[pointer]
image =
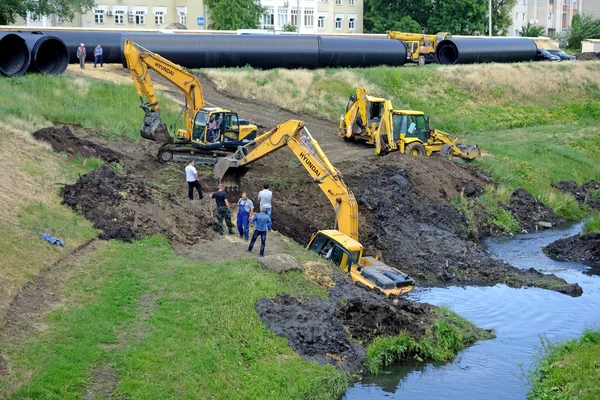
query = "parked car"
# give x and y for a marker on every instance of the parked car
(545, 55)
(561, 54)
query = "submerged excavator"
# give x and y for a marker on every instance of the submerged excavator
(374, 120)
(340, 245)
(209, 132)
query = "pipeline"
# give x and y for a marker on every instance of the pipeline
(484, 50)
(14, 54)
(49, 54)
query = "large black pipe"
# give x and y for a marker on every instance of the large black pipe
(49, 54)
(14, 54)
(110, 42)
(484, 50)
(360, 52)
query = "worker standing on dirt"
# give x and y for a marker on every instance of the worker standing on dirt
(98, 56)
(264, 197)
(245, 211)
(222, 210)
(262, 224)
(81, 55)
(191, 176)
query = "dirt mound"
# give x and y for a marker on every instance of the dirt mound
(587, 56)
(63, 139)
(581, 248)
(530, 212)
(583, 193)
(124, 208)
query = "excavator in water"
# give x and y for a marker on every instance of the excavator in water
(346, 251)
(420, 48)
(209, 132)
(374, 120)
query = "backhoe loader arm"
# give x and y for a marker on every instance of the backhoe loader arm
(139, 60)
(294, 135)
(358, 109)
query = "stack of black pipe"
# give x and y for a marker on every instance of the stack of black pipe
(484, 50)
(21, 52)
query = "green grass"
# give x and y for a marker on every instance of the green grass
(592, 225)
(449, 334)
(568, 370)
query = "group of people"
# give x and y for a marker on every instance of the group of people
(81, 52)
(245, 210)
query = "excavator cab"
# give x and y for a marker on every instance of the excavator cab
(411, 125)
(217, 128)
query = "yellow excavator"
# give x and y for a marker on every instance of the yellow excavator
(420, 48)
(209, 132)
(373, 120)
(340, 245)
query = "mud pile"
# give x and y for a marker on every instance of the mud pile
(531, 213)
(587, 56)
(581, 248)
(583, 194)
(125, 208)
(63, 139)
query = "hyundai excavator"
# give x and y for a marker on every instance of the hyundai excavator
(340, 245)
(209, 132)
(373, 120)
(420, 48)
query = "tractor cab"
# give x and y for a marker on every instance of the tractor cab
(218, 128)
(411, 124)
(375, 107)
(412, 50)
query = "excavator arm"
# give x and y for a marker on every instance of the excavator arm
(139, 61)
(296, 137)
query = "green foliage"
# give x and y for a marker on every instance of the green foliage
(567, 370)
(10, 9)
(583, 26)
(593, 225)
(39, 218)
(532, 30)
(400, 15)
(289, 28)
(499, 216)
(234, 14)
(449, 334)
(459, 17)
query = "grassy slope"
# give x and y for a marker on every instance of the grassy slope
(568, 370)
(538, 119)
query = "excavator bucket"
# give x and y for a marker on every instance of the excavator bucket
(153, 128)
(228, 172)
(469, 151)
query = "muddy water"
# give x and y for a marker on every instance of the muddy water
(491, 369)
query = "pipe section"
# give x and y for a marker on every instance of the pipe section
(110, 42)
(14, 54)
(360, 52)
(484, 50)
(49, 54)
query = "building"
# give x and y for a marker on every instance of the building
(554, 15)
(313, 16)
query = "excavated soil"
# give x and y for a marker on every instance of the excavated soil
(587, 56)
(531, 213)
(580, 248)
(583, 194)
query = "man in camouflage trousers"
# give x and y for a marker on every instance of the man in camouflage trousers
(222, 210)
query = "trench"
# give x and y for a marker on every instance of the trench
(495, 368)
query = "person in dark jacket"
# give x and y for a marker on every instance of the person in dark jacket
(98, 56)
(222, 210)
(262, 224)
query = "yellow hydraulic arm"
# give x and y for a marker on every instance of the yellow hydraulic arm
(358, 108)
(139, 60)
(294, 135)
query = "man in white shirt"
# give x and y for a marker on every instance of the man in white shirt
(191, 176)
(264, 197)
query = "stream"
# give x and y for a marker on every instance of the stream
(494, 369)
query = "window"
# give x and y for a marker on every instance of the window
(351, 2)
(338, 2)
(516, 16)
(282, 16)
(309, 17)
(338, 23)
(59, 20)
(182, 19)
(119, 17)
(551, 31)
(159, 17)
(523, 17)
(140, 17)
(269, 16)
(321, 22)
(98, 16)
(517, 33)
(351, 23)
(294, 18)
(550, 16)
(564, 2)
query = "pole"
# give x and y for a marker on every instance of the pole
(298, 16)
(490, 10)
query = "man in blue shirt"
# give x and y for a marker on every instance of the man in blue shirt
(262, 224)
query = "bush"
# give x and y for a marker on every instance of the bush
(593, 225)
(583, 26)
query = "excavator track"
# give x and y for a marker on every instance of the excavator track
(185, 153)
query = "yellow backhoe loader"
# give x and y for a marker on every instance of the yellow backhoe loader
(374, 120)
(209, 132)
(420, 48)
(346, 251)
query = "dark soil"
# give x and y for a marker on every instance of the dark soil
(583, 193)
(63, 139)
(587, 56)
(125, 208)
(103, 384)
(529, 211)
(580, 248)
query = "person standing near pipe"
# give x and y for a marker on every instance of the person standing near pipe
(81, 55)
(98, 56)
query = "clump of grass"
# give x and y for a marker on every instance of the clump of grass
(593, 225)
(491, 199)
(449, 334)
(567, 370)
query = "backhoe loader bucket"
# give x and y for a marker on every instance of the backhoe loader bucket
(153, 128)
(468, 151)
(227, 172)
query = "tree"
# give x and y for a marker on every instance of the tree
(459, 17)
(583, 26)
(289, 28)
(501, 16)
(399, 15)
(11, 9)
(532, 30)
(234, 14)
